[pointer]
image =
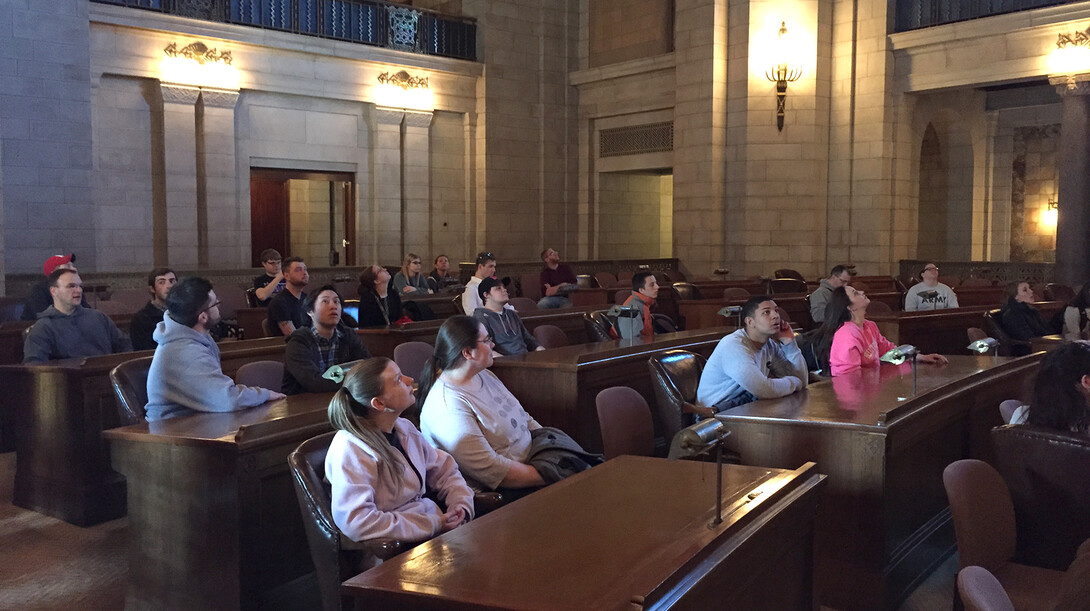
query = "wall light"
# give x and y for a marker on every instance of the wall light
(783, 71)
(1070, 58)
(198, 65)
(402, 90)
(1050, 214)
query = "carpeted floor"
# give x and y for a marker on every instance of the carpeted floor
(47, 564)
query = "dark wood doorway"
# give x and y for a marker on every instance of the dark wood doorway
(270, 214)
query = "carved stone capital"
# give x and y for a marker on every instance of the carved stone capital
(219, 98)
(415, 118)
(179, 94)
(1078, 84)
(388, 116)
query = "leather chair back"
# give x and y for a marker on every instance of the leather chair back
(625, 421)
(735, 293)
(1046, 472)
(251, 298)
(262, 374)
(266, 328)
(787, 286)
(686, 290)
(621, 296)
(982, 512)
(879, 307)
(598, 326)
(995, 329)
(530, 287)
(981, 591)
(606, 280)
(411, 357)
(130, 382)
(550, 336)
(523, 305)
(788, 273)
(1058, 292)
(975, 333)
(675, 375)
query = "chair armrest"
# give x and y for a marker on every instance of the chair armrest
(703, 412)
(486, 502)
(382, 548)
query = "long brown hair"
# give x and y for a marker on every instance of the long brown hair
(456, 334)
(350, 410)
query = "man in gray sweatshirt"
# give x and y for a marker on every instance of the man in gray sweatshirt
(502, 321)
(186, 375)
(66, 329)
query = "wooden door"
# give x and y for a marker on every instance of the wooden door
(269, 221)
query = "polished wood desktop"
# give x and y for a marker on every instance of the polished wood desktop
(630, 534)
(884, 524)
(59, 410)
(942, 331)
(558, 386)
(213, 518)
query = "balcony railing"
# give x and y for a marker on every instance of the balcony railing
(369, 22)
(915, 14)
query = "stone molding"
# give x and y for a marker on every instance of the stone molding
(388, 116)
(179, 94)
(219, 98)
(415, 118)
(1078, 84)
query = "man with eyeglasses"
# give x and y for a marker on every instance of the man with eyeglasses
(186, 375)
(838, 277)
(930, 294)
(68, 330)
(272, 281)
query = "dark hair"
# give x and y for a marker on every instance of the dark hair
(55, 275)
(638, 280)
(159, 271)
(270, 254)
(367, 280)
(749, 308)
(836, 314)
(187, 298)
(437, 257)
(308, 303)
(837, 270)
(542, 255)
(484, 257)
(286, 263)
(456, 334)
(1082, 299)
(1012, 290)
(1057, 402)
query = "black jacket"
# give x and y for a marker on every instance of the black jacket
(1022, 321)
(371, 314)
(143, 325)
(302, 370)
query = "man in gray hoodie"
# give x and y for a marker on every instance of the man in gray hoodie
(838, 277)
(186, 375)
(66, 329)
(502, 321)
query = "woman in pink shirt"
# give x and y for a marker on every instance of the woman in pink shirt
(856, 341)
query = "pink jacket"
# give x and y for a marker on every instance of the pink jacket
(854, 347)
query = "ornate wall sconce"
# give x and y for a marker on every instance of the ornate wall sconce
(782, 72)
(198, 65)
(1069, 59)
(403, 90)
(1050, 215)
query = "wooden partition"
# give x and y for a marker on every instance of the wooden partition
(60, 409)
(942, 331)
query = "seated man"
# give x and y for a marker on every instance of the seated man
(66, 329)
(312, 350)
(759, 361)
(930, 294)
(441, 273)
(286, 313)
(143, 324)
(838, 277)
(503, 324)
(556, 279)
(186, 375)
(272, 281)
(645, 289)
(39, 298)
(486, 268)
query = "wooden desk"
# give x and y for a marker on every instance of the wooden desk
(884, 524)
(590, 297)
(558, 387)
(60, 409)
(703, 313)
(942, 331)
(986, 297)
(213, 518)
(620, 543)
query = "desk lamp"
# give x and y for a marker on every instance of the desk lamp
(899, 355)
(728, 311)
(982, 346)
(696, 440)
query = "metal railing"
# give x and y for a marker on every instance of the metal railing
(916, 14)
(370, 22)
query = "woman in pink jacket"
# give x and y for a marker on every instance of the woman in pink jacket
(852, 340)
(379, 466)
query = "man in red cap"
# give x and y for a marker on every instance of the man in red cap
(39, 298)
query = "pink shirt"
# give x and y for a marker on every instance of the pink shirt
(855, 347)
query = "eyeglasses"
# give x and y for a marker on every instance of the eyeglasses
(277, 261)
(415, 262)
(930, 269)
(488, 341)
(212, 306)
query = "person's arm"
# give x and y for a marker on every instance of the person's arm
(1071, 330)
(741, 367)
(355, 348)
(265, 292)
(952, 301)
(38, 345)
(521, 476)
(118, 341)
(300, 361)
(531, 341)
(457, 431)
(287, 327)
(140, 331)
(204, 387)
(788, 360)
(353, 475)
(845, 353)
(470, 300)
(443, 477)
(401, 284)
(912, 300)
(818, 299)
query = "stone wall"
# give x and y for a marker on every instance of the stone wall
(623, 30)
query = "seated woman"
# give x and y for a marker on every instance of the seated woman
(1061, 393)
(379, 306)
(312, 350)
(380, 467)
(848, 341)
(468, 412)
(410, 280)
(1019, 319)
(1077, 316)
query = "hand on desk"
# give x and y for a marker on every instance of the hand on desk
(453, 519)
(276, 396)
(934, 359)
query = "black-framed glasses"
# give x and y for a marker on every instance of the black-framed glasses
(417, 262)
(488, 341)
(218, 301)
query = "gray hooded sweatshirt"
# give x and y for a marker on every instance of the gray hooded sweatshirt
(507, 330)
(186, 376)
(85, 332)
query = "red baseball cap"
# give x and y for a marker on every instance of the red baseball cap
(56, 261)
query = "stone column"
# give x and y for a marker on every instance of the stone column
(220, 233)
(180, 154)
(1073, 223)
(386, 217)
(416, 191)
